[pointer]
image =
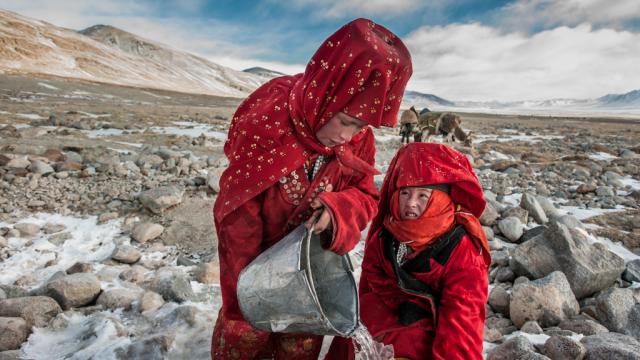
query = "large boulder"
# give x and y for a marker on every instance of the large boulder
(14, 332)
(35, 310)
(518, 347)
(617, 310)
(530, 203)
(611, 346)
(548, 301)
(172, 284)
(159, 199)
(74, 290)
(564, 348)
(588, 267)
(511, 227)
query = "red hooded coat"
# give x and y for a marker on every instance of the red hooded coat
(360, 70)
(452, 312)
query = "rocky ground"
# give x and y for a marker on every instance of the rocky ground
(107, 247)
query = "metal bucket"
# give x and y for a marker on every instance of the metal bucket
(296, 286)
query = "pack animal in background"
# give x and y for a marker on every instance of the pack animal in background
(409, 124)
(448, 125)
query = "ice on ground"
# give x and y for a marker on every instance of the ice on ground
(138, 145)
(48, 86)
(582, 214)
(615, 248)
(92, 115)
(30, 116)
(512, 199)
(534, 138)
(191, 129)
(630, 181)
(602, 156)
(88, 241)
(73, 342)
(103, 132)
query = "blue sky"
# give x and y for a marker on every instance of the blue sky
(461, 49)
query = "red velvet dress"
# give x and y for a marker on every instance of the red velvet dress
(265, 219)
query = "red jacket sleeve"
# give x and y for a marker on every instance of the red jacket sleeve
(461, 314)
(240, 237)
(354, 206)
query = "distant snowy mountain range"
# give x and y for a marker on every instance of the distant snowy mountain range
(615, 103)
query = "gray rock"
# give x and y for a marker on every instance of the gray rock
(588, 267)
(74, 290)
(564, 348)
(515, 348)
(159, 199)
(73, 156)
(530, 203)
(35, 310)
(208, 273)
(532, 327)
(40, 167)
(500, 258)
(616, 309)
(548, 301)
(570, 221)
(172, 284)
(632, 271)
(27, 229)
(3, 295)
(610, 346)
(499, 300)
(613, 179)
(3, 242)
(489, 215)
(505, 274)
(549, 209)
(516, 211)
(135, 274)
(146, 232)
(14, 332)
(80, 267)
(582, 324)
(492, 335)
(18, 163)
(118, 298)
(150, 301)
(511, 227)
(488, 232)
(213, 182)
(533, 232)
(50, 228)
(604, 191)
(13, 291)
(126, 254)
(11, 355)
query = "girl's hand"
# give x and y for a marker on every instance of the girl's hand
(321, 218)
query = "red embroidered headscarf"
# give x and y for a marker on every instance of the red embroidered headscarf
(421, 164)
(361, 70)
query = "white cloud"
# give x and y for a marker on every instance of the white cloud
(476, 62)
(527, 14)
(335, 9)
(243, 63)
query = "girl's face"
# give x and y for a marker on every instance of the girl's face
(339, 130)
(412, 202)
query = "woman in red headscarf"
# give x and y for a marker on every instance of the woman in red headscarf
(424, 282)
(300, 150)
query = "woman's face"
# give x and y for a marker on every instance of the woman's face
(339, 130)
(412, 202)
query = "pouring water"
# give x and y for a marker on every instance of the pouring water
(366, 348)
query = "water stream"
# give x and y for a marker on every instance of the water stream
(366, 348)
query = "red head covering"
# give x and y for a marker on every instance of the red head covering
(361, 70)
(420, 164)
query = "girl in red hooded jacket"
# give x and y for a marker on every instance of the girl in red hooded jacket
(300, 150)
(424, 282)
